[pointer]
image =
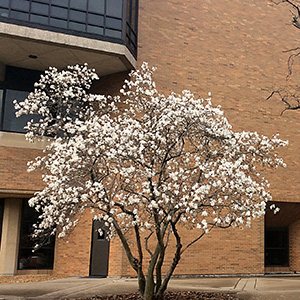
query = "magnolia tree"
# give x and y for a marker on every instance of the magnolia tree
(162, 163)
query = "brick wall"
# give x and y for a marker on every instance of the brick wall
(230, 251)
(294, 233)
(232, 49)
(72, 253)
(13, 166)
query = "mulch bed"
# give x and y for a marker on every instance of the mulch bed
(190, 295)
(28, 278)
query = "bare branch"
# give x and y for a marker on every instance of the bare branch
(284, 100)
(146, 243)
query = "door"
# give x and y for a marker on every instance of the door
(99, 250)
(276, 247)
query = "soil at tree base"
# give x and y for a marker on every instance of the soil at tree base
(190, 295)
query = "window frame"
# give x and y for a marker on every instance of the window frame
(9, 84)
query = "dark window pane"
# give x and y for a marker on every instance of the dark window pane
(128, 11)
(95, 20)
(95, 30)
(113, 33)
(96, 6)
(21, 79)
(19, 15)
(43, 257)
(276, 246)
(18, 83)
(134, 15)
(10, 121)
(77, 26)
(64, 3)
(58, 23)
(59, 12)
(113, 23)
(77, 16)
(20, 5)
(4, 3)
(4, 13)
(39, 19)
(40, 9)
(114, 8)
(101, 236)
(78, 4)
(1, 106)
(131, 35)
(41, 1)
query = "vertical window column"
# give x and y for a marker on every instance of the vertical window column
(10, 236)
(1, 217)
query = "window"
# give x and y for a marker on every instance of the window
(277, 247)
(18, 83)
(41, 258)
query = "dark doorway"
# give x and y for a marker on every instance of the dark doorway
(276, 247)
(99, 250)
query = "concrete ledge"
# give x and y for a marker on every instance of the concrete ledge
(60, 49)
(11, 139)
(66, 39)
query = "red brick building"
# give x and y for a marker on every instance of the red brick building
(230, 48)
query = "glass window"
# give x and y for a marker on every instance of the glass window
(22, 5)
(43, 257)
(276, 246)
(3, 12)
(1, 106)
(43, 1)
(18, 83)
(58, 23)
(77, 26)
(4, 3)
(95, 20)
(95, 30)
(39, 19)
(10, 122)
(96, 6)
(77, 16)
(64, 3)
(114, 8)
(113, 23)
(113, 33)
(19, 15)
(134, 14)
(78, 4)
(59, 12)
(41, 9)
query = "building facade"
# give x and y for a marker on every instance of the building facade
(230, 48)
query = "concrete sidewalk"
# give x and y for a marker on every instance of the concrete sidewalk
(252, 288)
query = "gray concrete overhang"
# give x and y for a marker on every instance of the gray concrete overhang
(37, 49)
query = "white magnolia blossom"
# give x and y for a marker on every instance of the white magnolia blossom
(163, 161)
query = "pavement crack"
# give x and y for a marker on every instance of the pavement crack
(237, 283)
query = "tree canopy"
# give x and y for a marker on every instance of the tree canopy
(145, 170)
